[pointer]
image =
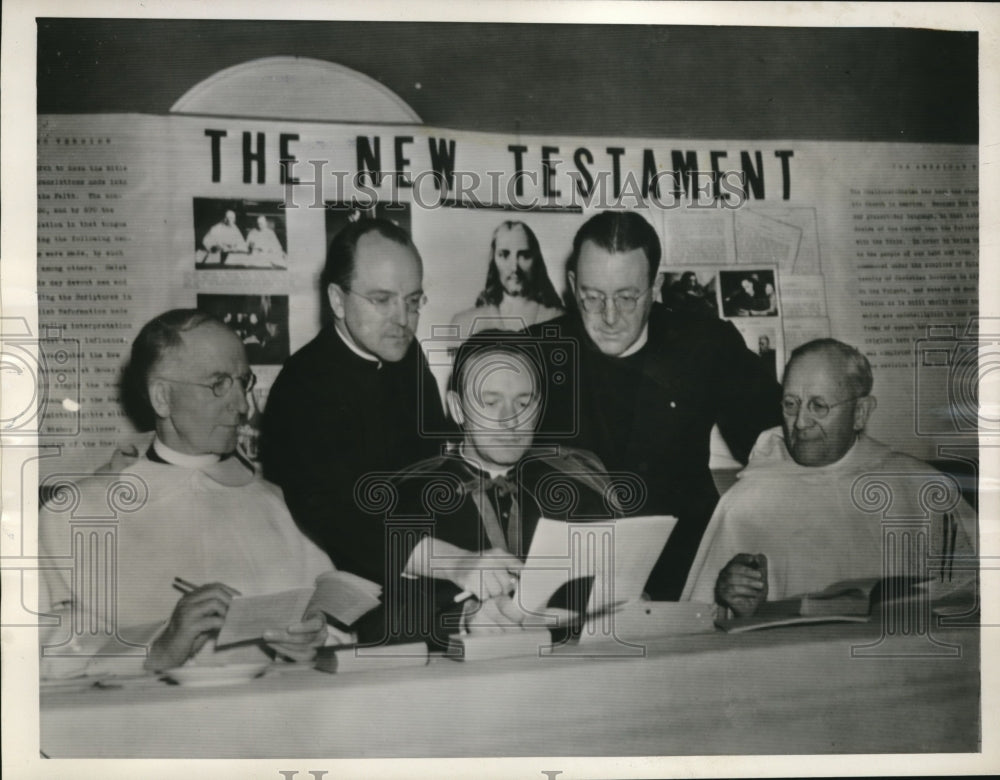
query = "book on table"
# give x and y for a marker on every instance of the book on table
(846, 601)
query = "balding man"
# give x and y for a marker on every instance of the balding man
(359, 398)
(795, 503)
(207, 519)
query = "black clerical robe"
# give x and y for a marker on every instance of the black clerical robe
(650, 415)
(333, 417)
(452, 500)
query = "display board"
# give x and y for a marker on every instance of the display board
(875, 244)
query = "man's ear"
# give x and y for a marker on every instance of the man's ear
(571, 278)
(454, 407)
(657, 283)
(336, 295)
(159, 397)
(862, 410)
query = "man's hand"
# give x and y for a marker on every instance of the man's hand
(496, 616)
(299, 641)
(197, 616)
(487, 576)
(742, 584)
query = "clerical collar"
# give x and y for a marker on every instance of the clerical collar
(352, 345)
(493, 472)
(639, 342)
(172, 456)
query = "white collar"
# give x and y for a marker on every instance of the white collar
(183, 459)
(493, 472)
(639, 343)
(353, 345)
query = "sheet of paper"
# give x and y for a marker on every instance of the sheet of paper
(621, 575)
(250, 616)
(762, 240)
(618, 554)
(345, 596)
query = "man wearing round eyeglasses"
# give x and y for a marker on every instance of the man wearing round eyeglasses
(202, 513)
(358, 398)
(652, 383)
(793, 523)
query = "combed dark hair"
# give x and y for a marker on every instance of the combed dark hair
(161, 333)
(618, 231)
(494, 341)
(859, 371)
(339, 267)
(539, 287)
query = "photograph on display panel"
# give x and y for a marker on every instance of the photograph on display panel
(260, 322)
(239, 234)
(691, 291)
(751, 293)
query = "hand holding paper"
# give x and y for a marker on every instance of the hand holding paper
(299, 641)
(487, 575)
(343, 596)
(198, 614)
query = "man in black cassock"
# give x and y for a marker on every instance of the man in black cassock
(357, 399)
(462, 522)
(648, 384)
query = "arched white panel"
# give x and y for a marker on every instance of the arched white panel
(295, 88)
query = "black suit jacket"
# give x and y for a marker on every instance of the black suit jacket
(650, 415)
(331, 419)
(434, 498)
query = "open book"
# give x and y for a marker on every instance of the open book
(847, 601)
(343, 596)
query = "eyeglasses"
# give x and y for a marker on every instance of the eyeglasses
(220, 387)
(597, 303)
(817, 408)
(384, 303)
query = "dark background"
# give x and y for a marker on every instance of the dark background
(850, 84)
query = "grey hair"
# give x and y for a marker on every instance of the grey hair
(858, 373)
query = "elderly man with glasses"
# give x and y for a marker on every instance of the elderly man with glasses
(650, 384)
(202, 517)
(798, 519)
(359, 398)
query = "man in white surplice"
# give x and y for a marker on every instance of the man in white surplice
(203, 514)
(796, 502)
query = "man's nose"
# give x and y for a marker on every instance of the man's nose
(804, 418)
(508, 418)
(238, 398)
(610, 313)
(398, 314)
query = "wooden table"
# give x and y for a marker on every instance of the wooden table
(781, 691)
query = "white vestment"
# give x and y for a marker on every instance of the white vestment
(819, 525)
(221, 523)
